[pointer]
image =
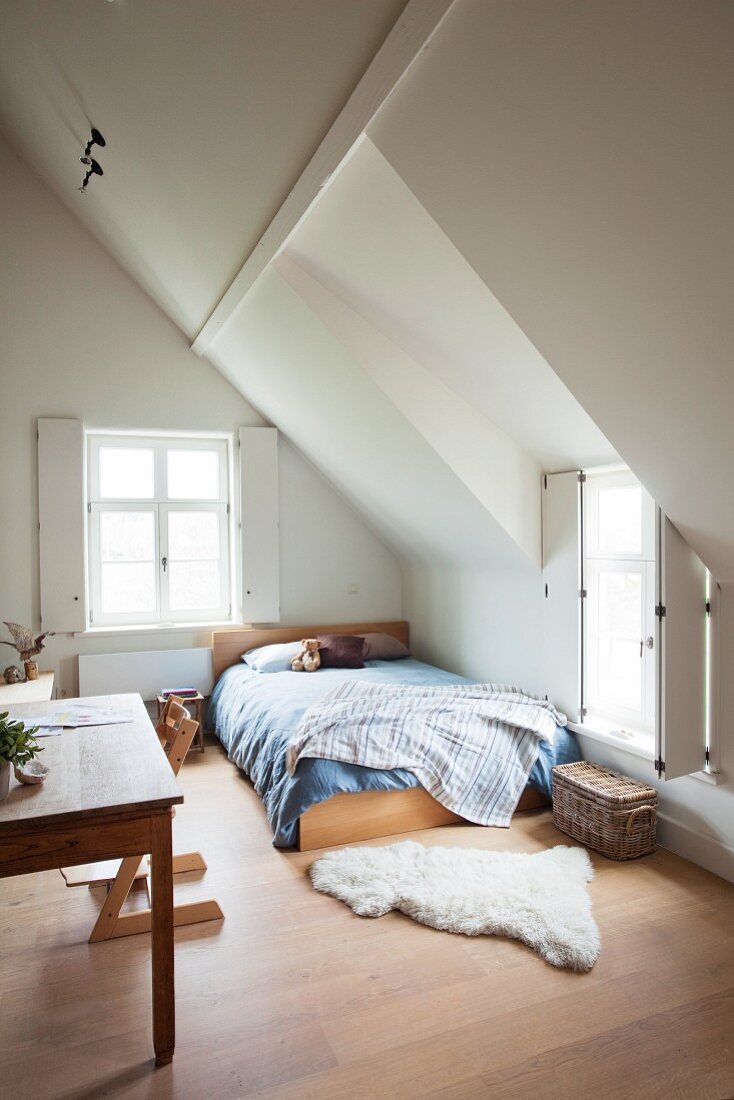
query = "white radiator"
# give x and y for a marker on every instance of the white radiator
(145, 673)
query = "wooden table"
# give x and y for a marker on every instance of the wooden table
(109, 794)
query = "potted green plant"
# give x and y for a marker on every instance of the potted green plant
(18, 745)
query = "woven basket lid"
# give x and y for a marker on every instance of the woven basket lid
(598, 780)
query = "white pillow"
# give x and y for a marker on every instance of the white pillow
(272, 658)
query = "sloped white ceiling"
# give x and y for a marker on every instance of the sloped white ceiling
(372, 244)
(303, 378)
(580, 157)
(577, 157)
(210, 109)
(210, 113)
(503, 477)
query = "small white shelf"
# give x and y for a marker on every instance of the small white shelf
(29, 691)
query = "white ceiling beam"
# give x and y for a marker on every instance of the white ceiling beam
(417, 24)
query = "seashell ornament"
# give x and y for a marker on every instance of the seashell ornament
(31, 773)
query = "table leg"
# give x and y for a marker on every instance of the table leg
(161, 874)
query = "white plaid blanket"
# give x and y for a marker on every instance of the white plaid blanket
(472, 746)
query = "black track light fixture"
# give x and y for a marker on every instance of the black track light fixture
(94, 170)
(95, 138)
(93, 166)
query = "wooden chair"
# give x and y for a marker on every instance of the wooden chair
(176, 731)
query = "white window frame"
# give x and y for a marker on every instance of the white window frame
(162, 505)
(642, 721)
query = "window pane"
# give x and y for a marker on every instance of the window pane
(620, 603)
(193, 536)
(128, 587)
(620, 520)
(193, 475)
(619, 622)
(126, 473)
(193, 585)
(127, 536)
(620, 673)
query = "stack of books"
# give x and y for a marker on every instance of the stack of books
(182, 693)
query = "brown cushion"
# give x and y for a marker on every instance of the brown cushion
(383, 647)
(341, 651)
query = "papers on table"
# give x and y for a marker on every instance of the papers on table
(78, 715)
(74, 716)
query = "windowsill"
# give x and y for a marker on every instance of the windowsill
(714, 779)
(607, 733)
(637, 744)
(151, 628)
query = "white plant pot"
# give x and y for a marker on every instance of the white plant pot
(4, 780)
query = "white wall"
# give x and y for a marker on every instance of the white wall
(80, 339)
(324, 547)
(481, 623)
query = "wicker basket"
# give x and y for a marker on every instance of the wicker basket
(611, 813)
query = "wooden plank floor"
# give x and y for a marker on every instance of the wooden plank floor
(295, 998)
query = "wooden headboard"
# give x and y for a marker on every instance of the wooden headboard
(229, 645)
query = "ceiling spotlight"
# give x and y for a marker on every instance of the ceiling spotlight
(93, 170)
(95, 138)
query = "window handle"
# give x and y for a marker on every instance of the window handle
(164, 563)
(649, 642)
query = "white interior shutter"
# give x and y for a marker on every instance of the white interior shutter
(61, 519)
(562, 575)
(714, 677)
(681, 710)
(259, 520)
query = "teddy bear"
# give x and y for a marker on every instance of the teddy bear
(308, 659)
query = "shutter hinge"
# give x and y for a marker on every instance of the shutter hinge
(583, 712)
(707, 756)
(91, 616)
(708, 607)
(546, 591)
(89, 506)
(545, 481)
(660, 611)
(582, 477)
(582, 593)
(659, 766)
(228, 509)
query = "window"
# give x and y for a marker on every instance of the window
(619, 609)
(629, 622)
(159, 532)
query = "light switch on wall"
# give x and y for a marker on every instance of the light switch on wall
(352, 589)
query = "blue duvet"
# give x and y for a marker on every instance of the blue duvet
(254, 713)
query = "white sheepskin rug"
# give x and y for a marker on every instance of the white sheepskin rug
(540, 899)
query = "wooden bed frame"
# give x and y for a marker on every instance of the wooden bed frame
(368, 814)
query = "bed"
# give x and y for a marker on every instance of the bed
(328, 802)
